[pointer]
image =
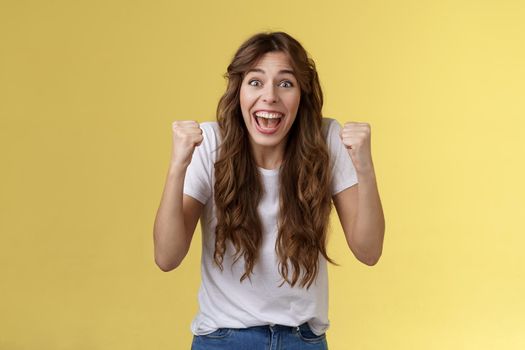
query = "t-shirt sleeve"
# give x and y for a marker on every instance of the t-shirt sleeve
(197, 182)
(343, 171)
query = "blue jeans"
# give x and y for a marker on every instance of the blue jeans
(276, 337)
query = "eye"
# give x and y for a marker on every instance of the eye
(253, 81)
(287, 83)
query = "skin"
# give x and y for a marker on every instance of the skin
(358, 207)
(270, 89)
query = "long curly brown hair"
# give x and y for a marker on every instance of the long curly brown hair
(305, 176)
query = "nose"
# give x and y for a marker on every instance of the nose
(269, 95)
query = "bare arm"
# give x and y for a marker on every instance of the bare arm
(359, 207)
(175, 221)
(361, 215)
(178, 214)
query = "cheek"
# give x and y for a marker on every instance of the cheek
(241, 96)
(292, 102)
(245, 106)
(244, 99)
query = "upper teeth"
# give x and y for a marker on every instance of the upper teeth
(268, 115)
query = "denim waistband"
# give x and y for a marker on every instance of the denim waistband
(279, 327)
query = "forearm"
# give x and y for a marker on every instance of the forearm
(369, 226)
(169, 230)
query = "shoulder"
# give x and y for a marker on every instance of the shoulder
(211, 133)
(209, 126)
(210, 130)
(330, 127)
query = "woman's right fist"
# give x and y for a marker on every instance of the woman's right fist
(186, 136)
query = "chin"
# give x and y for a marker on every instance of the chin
(265, 142)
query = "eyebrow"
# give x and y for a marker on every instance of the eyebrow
(258, 70)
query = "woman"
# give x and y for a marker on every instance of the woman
(262, 180)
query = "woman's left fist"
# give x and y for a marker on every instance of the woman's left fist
(356, 138)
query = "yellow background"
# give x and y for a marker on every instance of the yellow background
(89, 90)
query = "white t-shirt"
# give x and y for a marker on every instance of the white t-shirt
(223, 300)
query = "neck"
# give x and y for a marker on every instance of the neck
(268, 157)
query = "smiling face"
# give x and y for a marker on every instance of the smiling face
(269, 99)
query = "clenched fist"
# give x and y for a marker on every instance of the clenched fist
(187, 135)
(356, 138)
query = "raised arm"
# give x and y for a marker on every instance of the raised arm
(361, 216)
(178, 214)
(359, 207)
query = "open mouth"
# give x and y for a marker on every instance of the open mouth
(267, 123)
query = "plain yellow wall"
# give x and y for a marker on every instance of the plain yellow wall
(89, 90)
